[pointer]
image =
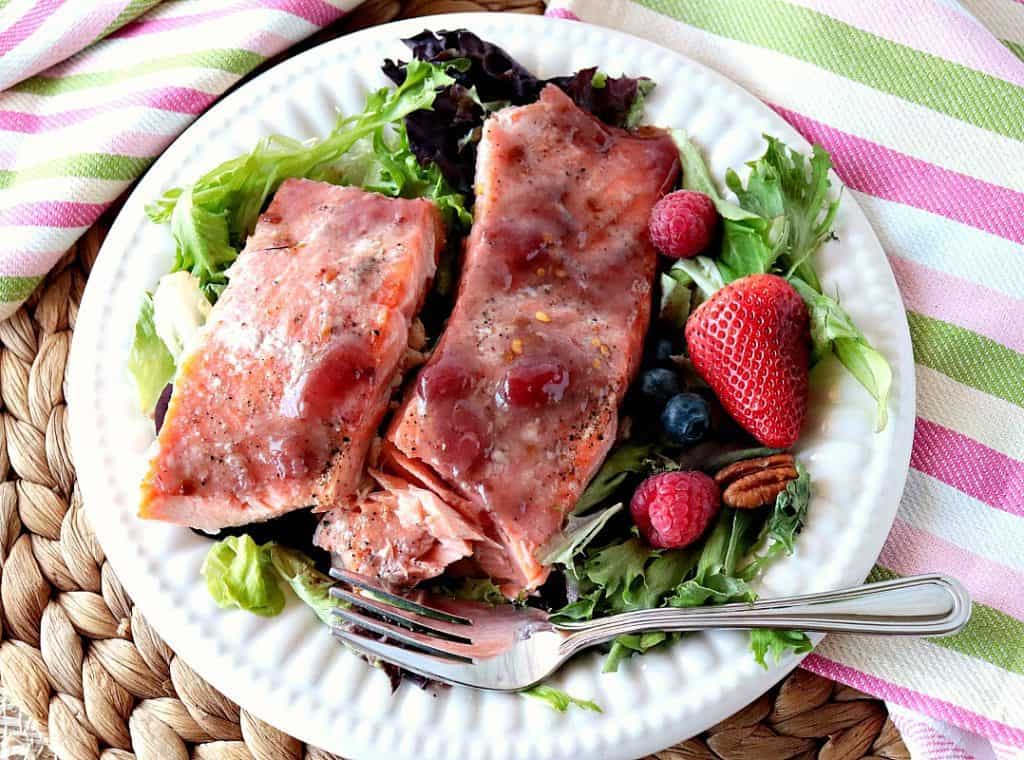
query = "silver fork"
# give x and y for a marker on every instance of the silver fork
(504, 648)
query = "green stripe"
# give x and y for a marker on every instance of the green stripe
(17, 288)
(94, 165)
(130, 12)
(990, 635)
(1015, 48)
(968, 358)
(234, 60)
(941, 85)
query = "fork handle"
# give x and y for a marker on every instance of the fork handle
(923, 605)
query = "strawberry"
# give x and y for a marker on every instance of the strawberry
(750, 341)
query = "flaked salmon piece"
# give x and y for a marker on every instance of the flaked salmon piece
(277, 403)
(518, 404)
(402, 534)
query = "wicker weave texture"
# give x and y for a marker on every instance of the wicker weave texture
(84, 674)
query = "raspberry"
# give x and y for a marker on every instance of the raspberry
(673, 509)
(683, 223)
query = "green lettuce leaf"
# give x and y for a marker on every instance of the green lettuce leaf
(635, 114)
(626, 646)
(782, 183)
(579, 531)
(832, 331)
(784, 523)
(751, 242)
(245, 575)
(558, 699)
(301, 575)
(676, 299)
(716, 579)
(239, 573)
(150, 364)
(750, 247)
(783, 216)
(776, 643)
(627, 458)
(616, 568)
(697, 177)
(201, 241)
(704, 272)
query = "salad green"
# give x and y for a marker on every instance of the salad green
(626, 574)
(149, 362)
(783, 217)
(241, 574)
(559, 700)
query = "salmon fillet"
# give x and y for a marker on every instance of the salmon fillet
(276, 406)
(518, 405)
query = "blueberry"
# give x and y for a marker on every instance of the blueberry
(658, 385)
(686, 418)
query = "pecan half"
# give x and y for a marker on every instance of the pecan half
(754, 482)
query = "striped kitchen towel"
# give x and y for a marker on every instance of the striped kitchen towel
(94, 91)
(921, 103)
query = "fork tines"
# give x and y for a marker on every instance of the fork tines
(404, 622)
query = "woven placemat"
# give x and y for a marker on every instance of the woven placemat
(84, 676)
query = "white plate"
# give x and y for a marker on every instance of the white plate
(287, 670)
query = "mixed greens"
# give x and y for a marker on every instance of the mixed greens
(419, 140)
(783, 216)
(621, 573)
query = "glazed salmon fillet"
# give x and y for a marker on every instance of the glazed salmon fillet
(518, 405)
(276, 406)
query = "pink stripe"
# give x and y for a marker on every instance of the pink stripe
(963, 463)
(177, 99)
(23, 28)
(910, 550)
(151, 24)
(920, 737)
(316, 12)
(930, 27)
(52, 214)
(561, 13)
(936, 708)
(961, 302)
(885, 173)
(84, 32)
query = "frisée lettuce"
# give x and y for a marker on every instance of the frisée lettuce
(783, 217)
